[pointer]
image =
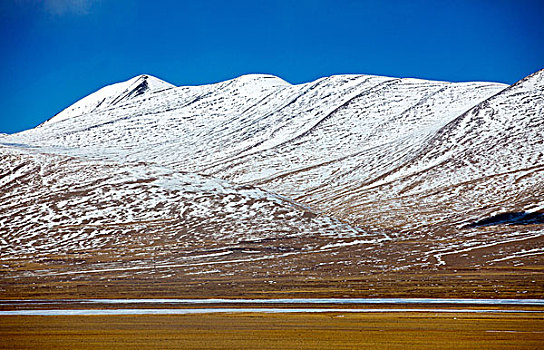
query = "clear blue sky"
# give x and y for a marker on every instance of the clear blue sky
(54, 52)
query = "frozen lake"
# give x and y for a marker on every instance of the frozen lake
(337, 301)
(90, 312)
(105, 306)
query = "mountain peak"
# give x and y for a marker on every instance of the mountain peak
(139, 85)
(260, 78)
(112, 95)
(154, 83)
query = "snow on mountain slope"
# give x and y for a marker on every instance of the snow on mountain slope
(256, 127)
(486, 164)
(496, 149)
(364, 136)
(128, 215)
(503, 133)
(112, 95)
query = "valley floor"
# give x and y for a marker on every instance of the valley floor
(276, 331)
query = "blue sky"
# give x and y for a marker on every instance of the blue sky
(55, 52)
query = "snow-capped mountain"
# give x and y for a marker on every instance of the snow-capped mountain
(487, 161)
(348, 169)
(110, 96)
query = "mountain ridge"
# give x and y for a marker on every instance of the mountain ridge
(112, 94)
(365, 176)
(161, 84)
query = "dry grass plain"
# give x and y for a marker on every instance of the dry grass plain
(516, 282)
(276, 331)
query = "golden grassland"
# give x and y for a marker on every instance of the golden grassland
(276, 331)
